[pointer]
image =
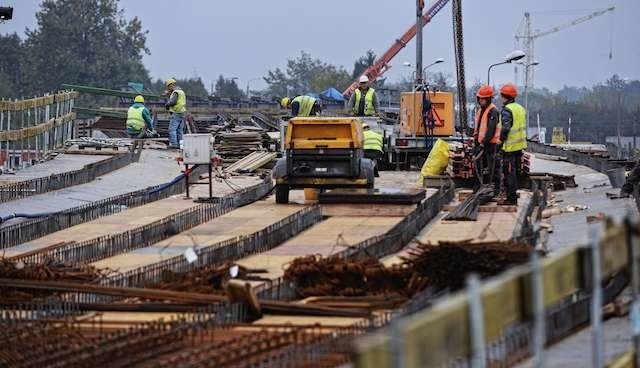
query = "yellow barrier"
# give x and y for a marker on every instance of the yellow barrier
(24, 133)
(19, 105)
(437, 335)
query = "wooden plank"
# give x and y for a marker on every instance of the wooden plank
(392, 210)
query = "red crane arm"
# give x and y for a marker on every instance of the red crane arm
(381, 64)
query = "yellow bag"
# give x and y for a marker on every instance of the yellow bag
(437, 161)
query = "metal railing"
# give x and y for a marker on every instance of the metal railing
(513, 316)
(31, 129)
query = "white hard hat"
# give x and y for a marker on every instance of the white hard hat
(364, 79)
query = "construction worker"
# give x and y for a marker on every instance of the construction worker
(632, 179)
(302, 106)
(177, 106)
(486, 137)
(513, 139)
(139, 120)
(364, 101)
(372, 146)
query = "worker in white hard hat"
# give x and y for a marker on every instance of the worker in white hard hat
(364, 101)
(177, 106)
(139, 120)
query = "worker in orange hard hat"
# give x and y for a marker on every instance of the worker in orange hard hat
(513, 139)
(486, 137)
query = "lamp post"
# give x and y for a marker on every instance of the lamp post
(526, 86)
(511, 57)
(409, 65)
(249, 81)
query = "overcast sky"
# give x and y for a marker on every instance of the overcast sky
(244, 39)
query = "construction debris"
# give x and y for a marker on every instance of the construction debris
(442, 266)
(46, 271)
(234, 146)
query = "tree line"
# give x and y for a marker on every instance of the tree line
(90, 42)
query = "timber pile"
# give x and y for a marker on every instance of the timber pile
(442, 266)
(234, 146)
(460, 161)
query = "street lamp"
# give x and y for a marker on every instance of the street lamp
(526, 86)
(409, 65)
(249, 81)
(511, 57)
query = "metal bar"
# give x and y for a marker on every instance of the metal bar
(597, 339)
(539, 335)
(476, 322)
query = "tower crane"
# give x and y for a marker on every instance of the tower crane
(526, 37)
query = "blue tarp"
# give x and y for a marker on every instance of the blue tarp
(332, 94)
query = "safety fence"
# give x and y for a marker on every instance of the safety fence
(513, 316)
(109, 245)
(12, 235)
(31, 129)
(88, 173)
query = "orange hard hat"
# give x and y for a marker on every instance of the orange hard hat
(485, 92)
(509, 90)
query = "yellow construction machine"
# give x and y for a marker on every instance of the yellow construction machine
(322, 153)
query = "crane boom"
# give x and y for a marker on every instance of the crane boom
(573, 23)
(381, 64)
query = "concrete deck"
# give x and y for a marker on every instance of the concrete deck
(130, 178)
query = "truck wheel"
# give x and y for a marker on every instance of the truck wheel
(282, 194)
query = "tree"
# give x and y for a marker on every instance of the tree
(227, 87)
(83, 42)
(12, 51)
(363, 63)
(305, 74)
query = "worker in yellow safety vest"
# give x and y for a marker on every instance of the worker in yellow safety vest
(364, 101)
(302, 106)
(139, 120)
(513, 139)
(373, 146)
(486, 137)
(177, 107)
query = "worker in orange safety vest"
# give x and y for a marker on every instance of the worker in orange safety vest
(486, 137)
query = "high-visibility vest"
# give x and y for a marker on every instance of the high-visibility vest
(305, 104)
(372, 140)
(517, 138)
(482, 123)
(135, 121)
(368, 102)
(181, 103)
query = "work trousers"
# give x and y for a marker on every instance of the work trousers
(511, 162)
(373, 155)
(490, 166)
(176, 126)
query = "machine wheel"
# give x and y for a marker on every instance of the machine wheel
(282, 194)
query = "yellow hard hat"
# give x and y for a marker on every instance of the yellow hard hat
(285, 102)
(139, 99)
(169, 82)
